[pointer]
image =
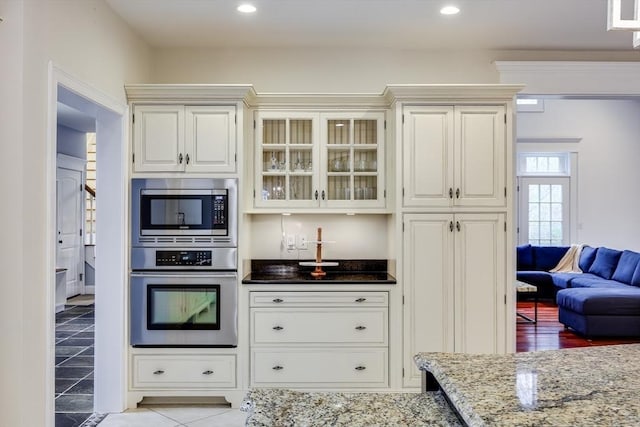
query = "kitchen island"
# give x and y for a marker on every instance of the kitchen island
(281, 407)
(571, 387)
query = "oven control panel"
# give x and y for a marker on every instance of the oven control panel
(182, 258)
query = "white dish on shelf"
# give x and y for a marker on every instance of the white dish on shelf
(316, 264)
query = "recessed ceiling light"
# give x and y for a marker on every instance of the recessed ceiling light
(246, 8)
(449, 10)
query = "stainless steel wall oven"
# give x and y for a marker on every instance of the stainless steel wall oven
(183, 287)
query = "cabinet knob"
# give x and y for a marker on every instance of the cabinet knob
(457, 193)
(180, 158)
(278, 300)
(316, 194)
(360, 368)
(277, 368)
(450, 225)
(360, 328)
(187, 158)
(322, 194)
(458, 225)
(361, 300)
(451, 193)
(207, 372)
(158, 372)
(277, 328)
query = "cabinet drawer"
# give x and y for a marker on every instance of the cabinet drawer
(184, 371)
(367, 326)
(329, 367)
(319, 299)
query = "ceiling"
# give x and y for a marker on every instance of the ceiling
(391, 24)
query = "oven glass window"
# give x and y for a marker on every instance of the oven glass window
(183, 307)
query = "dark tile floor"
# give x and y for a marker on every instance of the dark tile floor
(74, 365)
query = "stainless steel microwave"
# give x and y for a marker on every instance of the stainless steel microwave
(184, 212)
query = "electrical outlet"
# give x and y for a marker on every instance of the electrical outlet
(302, 241)
(291, 241)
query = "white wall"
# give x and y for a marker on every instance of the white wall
(320, 70)
(86, 40)
(354, 237)
(607, 171)
(11, 285)
(72, 142)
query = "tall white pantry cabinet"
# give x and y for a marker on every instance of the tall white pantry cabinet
(454, 208)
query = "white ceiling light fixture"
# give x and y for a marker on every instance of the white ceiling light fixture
(246, 8)
(450, 10)
(616, 23)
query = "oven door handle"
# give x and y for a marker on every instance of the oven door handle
(184, 274)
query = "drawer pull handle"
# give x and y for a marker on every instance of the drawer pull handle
(277, 328)
(361, 300)
(278, 300)
(158, 372)
(360, 328)
(277, 368)
(360, 368)
(207, 372)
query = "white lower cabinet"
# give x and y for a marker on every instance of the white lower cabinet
(319, 339)
(454, 285)
(319, 367)
(183, 371)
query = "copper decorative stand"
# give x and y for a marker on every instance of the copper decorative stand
(318, 264)
(318, 272)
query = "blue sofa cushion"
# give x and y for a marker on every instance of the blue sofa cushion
(635, 280)
(605, 263)
(537, 278)
(604, 301)
(587, 255)
(563, 280)
(626, 266)
(547, 257)
(593, 281)
(524, 257)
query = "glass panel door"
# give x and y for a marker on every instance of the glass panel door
(285, 146)
(544, 211)
(352, 152)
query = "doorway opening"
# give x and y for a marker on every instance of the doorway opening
(102, 362)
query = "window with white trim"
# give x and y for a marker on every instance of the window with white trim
(544, 193)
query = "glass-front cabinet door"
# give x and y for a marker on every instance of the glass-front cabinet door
(286, 159)
(319, 159)
(352, 159)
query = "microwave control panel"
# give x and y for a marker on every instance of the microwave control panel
(183, 258)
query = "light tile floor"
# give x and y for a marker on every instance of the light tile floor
(178, 416)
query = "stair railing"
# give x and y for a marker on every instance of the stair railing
(92, 201)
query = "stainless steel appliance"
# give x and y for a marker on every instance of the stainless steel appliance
(184, 283)
(184, 212)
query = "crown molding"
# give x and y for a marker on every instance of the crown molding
(189, 92)
(450, 92)
(582, 78)
(201, 93)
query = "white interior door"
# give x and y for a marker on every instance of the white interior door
(70, 252)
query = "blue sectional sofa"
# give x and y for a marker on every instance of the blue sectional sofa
(603, 300)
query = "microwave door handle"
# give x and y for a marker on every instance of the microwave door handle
(182, 274)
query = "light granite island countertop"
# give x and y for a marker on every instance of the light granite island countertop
(283, 407)
(590, 386)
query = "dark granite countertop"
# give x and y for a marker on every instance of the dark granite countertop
(346, 272)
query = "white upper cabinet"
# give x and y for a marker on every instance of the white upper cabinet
(454, 156)
(178, 138)
(319, 160)
(211, 134)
